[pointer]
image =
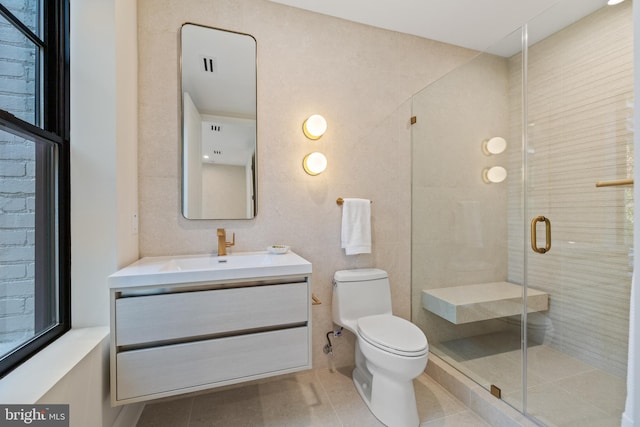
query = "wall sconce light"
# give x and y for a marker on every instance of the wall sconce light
(314, 127)
(314, 163)
(494, 174)
(495, 145)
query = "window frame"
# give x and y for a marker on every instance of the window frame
(53, 256)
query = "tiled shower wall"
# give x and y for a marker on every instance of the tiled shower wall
(579, 90)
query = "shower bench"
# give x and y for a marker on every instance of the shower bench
(483, 301)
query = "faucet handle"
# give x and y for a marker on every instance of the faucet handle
(232, 242)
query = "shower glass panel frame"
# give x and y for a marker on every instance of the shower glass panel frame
(563, 101)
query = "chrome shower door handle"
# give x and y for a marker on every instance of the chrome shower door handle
(534, 243)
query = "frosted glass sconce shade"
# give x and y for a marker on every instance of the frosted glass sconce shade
(494, 174)
(314, 127)
(495, 145)
(314, 163)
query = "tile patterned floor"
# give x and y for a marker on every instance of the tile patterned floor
(311, 398)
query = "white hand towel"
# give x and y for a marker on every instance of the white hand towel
(356, 226)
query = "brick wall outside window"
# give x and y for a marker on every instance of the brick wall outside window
(17, 182)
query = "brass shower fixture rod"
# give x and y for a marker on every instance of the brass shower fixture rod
(614, 183)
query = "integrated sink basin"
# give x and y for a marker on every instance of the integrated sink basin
(206, 267)
(211, 262)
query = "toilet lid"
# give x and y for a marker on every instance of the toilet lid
(393, 334)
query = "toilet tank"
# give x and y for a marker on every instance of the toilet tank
(358, 293)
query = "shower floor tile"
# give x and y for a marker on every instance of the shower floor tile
(503, 371)
(562, 391)
(600, 389)
(556, 406)
(550, 364)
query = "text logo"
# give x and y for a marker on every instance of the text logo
(34, 415)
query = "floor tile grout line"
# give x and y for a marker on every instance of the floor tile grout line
(190, 411)
(333, 408)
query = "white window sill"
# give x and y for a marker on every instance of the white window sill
(34, 378)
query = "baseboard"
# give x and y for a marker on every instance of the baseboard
(129, 415)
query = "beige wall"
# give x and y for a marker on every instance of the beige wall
(358, 77)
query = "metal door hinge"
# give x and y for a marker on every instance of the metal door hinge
(496, 391)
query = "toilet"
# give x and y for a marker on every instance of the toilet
(390, 351)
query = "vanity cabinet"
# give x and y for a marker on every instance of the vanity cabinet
(173, 338)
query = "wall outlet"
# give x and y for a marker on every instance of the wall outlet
(134, 223)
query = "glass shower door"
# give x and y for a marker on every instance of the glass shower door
(579, 216)
(463, 297)
(563, 103)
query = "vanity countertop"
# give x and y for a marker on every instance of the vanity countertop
(164, 270)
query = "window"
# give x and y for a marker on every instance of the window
(34, 177)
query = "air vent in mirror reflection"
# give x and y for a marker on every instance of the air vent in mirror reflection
(209, 64)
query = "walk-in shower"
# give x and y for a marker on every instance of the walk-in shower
(546, 237)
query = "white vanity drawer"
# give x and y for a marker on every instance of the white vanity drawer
(190, 314)
(195, 365)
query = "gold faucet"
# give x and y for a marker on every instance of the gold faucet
(222, 242)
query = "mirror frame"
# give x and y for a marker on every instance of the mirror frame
(182, 125)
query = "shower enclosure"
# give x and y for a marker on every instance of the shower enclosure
(554, 235)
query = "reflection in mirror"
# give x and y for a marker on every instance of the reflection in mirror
(218, 124)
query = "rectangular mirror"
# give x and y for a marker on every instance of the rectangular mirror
(218, 124)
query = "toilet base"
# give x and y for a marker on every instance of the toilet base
(393, 403)
(362, 381)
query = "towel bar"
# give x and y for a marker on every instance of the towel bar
(315, 300)
(340, 201)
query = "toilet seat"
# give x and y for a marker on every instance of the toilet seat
(393, 334)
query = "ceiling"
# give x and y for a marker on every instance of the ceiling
(474, 24)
